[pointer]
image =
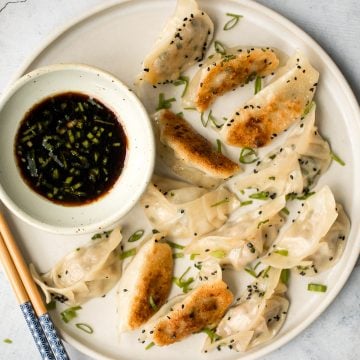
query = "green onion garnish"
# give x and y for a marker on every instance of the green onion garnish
(219, 254)
(51, 305)
(193, 256)
(7, 341)
(178, 255)
(262, 223)
(182, 80)
(149, 346)
(219, 47)
(211, 334)
(337, 159)
(164, 103)
(262, 195)
(232, 22)
(70, 313)
(127, 254)
(184, 284)
(224, 201)
(257, 85)
(285, 210)
(282, 252)
(284, 276)
(218, 144)
(136, 236)
(175, 246)
(251, 272)
(85, 327)
(305, 196)
(248, 156)
(152, 303)
(317, 287)
(308, 108)
(244, 203)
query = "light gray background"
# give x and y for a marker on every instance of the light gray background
(335, 24)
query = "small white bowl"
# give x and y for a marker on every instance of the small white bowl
(139, 163)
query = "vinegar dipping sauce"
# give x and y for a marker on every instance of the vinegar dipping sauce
(70, 148)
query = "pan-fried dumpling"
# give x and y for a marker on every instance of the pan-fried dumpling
(280, 176)
(313, 151)
(241, 240)
(301, 239)
(145, 284)
(256, 317)
(183, 42)
(186, 314)
(186, 212)
(190, 155)
(274, 108)
(86, 273)
(224, 72)
(330, 248)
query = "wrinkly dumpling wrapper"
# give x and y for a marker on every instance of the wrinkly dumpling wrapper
(86, 273)
(186, 211)
(224, 72)
(301, 239)
(330, 248)
(256, 318)
(145, 283)
(280, 176)
(186, 314)
(183, 42)
(275, 107)
(242, 240)
(188, 154)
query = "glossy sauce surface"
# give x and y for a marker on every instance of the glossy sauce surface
(70, 148)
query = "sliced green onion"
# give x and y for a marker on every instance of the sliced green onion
(337, 159)
(262, 223)
(127, 254)
(211, 334)
(262, 195)
(51, 305)
(70, 313)
(285, 211)
(178, 255)
(183, 80)
(257, 85)
(152, 303)
(85, 327)
(317, 287)
(284, 276)
(175, 246)
(308, 108)
(272, 178)
(183, 284)
(265, 272)
(149, 346)
(282, 252)
(164, 103)
(218, 144)
(251, 272)
(193, 256)
(245, 203)
(219, 254)
(190, 108)
(7, 341)
(224, 201)
(137, 235)
(232, 22)
(248, 156)
(305, 196)
(219, 47)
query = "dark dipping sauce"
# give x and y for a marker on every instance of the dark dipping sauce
(70, 148)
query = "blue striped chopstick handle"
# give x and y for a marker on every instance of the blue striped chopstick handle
(53, 338)
(37, 331)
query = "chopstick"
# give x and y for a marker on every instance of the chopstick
(29, 298)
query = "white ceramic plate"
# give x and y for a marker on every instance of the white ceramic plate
(116, 39)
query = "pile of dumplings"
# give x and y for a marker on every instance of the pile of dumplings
(222, 217)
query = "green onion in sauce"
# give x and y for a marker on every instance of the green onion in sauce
(70, 148)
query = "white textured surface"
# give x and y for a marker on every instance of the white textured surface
(334, 24)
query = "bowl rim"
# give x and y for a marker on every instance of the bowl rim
(146, 174)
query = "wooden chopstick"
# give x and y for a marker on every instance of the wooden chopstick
(13, 255)
(25, 304)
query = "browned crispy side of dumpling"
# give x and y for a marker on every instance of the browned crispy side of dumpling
(228, 73)
(154, 282)
(204, 307)
(192, 147)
